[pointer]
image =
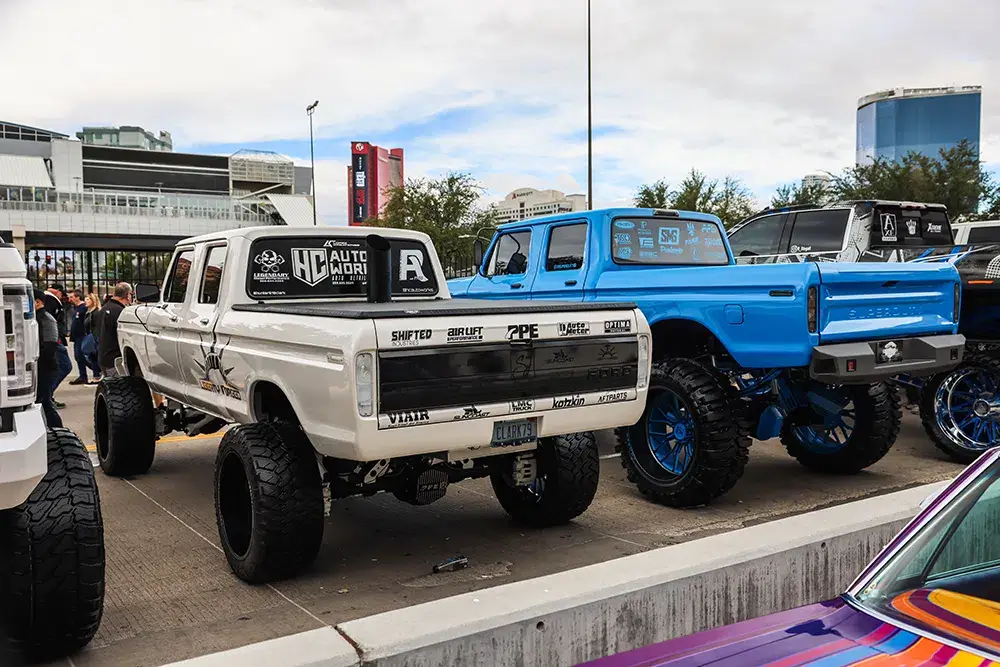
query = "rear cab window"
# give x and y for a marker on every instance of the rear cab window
(211, 279)
(567, 247)
(667, 242)
(984, 234)
(819, 231)
(896, 226)
(308, 267)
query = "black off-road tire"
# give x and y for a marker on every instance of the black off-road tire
(52, 559)
(722, 432)
(268, 501)
(876, 428)
(124, 426)
(570, 469)
(954, 450)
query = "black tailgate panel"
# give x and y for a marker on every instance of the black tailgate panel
(455, 376)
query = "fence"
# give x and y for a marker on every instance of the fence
(458, 266)
(95, 270)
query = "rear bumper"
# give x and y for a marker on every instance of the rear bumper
(23, 457)
(921, 355)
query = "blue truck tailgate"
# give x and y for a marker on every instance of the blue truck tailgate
(875, 300)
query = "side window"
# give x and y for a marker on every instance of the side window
(510, 255)
(972, 545)
(566, 247)
(180, 274)
(760, 237)
(819, 231)
(211, 280)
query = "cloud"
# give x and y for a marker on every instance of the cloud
(765, 90)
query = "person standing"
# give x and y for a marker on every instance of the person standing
(107, 348)
(92, 325)
(78, 333)
(64, 366)
(48, 368)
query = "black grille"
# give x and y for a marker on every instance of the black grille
(465, 375)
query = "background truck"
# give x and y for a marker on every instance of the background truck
(51, 529)
(346, 365)
(796, 351)
(960, 408)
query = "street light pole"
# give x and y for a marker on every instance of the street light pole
(312, 156)
(590, 126)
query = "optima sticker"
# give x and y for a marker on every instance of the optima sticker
(617, 326)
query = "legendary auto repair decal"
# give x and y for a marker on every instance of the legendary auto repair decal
(307, 266)
(215, 374)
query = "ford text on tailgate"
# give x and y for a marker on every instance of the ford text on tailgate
(434, 373)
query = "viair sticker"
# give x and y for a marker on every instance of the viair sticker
(215, 373)
(408, 417)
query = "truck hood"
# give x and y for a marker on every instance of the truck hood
(829, 633)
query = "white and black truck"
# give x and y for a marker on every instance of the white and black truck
(343, 363)
(52, 556)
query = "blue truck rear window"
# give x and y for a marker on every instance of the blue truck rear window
(667, 242)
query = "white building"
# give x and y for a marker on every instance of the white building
(527, 203)
(812, 180)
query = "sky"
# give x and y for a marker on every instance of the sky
(765, 90)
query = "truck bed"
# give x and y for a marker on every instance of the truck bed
(362, 310)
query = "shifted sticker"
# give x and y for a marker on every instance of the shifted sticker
(410, 337)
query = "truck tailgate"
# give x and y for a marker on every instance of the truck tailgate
(519, 361)
(875, 300)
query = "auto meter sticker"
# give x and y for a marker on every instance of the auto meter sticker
(306, 266)
(573, 329)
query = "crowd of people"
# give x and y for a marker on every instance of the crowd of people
(91, 327)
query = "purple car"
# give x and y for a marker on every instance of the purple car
(931, 597)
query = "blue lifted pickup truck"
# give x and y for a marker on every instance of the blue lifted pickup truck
(796, 351)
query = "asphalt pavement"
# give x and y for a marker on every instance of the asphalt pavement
(171, 595)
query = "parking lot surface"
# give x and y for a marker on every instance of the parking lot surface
(171, 596)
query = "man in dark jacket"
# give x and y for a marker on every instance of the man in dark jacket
(48, 344)
(64, 366)
(107, 348)
(77, 333)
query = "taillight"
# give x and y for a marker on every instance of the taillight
(18, 309)
(364, 383)
(958, 300)
(812, 309)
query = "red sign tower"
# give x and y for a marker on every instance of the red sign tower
(372, 172)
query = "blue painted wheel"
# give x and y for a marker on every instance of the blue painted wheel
(670, 432)
(839, 418)
(687, 449)
(960, 409)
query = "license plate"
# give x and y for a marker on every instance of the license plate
(513, 432)
(889, 351)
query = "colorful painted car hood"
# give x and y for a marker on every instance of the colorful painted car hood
(830, 634)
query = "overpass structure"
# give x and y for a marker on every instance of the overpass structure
(88, 216)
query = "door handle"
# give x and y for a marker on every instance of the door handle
(173, 318)
(515, 286)
(204, 320)
(570, 283)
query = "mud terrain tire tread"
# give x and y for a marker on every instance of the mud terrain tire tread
(723, 437)
(52, 559)
(287, 495)
(130, 423)
(955, 452)
(879, 416)
(572, 467)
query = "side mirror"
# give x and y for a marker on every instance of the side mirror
(147, 293)
(477, 254)
(748, 253)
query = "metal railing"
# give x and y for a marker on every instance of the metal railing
(96, 271)
(133, 204)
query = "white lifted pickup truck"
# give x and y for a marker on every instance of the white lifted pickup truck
(345, 363)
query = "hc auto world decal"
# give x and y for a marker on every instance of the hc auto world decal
(324, 266)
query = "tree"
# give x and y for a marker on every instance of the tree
(653, 195)
(446, 209)
(956, 179)
(798, 194)
(729, 199)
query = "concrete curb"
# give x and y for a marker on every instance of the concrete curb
(578, 615)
